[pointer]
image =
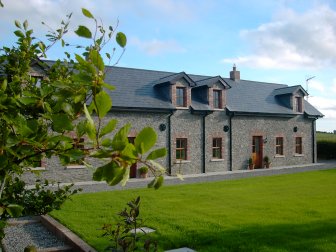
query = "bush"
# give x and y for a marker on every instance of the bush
(326, 150)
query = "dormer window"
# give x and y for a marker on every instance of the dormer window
(217, 99)
(181, 97)
(298, 104)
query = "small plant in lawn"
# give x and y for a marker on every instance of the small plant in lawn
(124, 234)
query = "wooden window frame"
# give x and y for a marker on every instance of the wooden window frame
(181, 147)
(279, 146)
(298, 146)
(217, 147)
(216, 93)
(182, 96)
(298, 104)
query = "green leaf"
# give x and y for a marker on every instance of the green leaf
(145, 140)
(97, 60)
(110, 172)
(18, 24)
(90, 126)
(121, 39)
(25, 24)
(61, 122)
(87, 13)
(67, 108)
(103, 103)
(3, 85)
(83, 31)
(128, 153)
(19, 33)
(120, 140)
(107, 142)
(125, 177)
(108, 128)
(80, 59)
(81, 128)
(14, 210)
(159, 182)
(155, 154)
(2, 210)
(108, 86)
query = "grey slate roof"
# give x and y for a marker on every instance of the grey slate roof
(289, 90)
(210, 81)
(137, 89)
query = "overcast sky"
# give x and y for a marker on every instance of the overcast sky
(280, 41)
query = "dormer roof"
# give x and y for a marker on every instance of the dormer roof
(171, 79)
(289, 90)
(210, 81)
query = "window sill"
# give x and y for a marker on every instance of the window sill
(218, 109)
(35, 169)
(183, 108)
(75, 167)
(298, 155)
(279, 156)
(217, 160)
(182, 161)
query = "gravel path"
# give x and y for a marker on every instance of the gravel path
(19, 236)
(27, 232)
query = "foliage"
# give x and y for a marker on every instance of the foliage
(40, 199)
(293, 212)
(124, 234)
(39, 113)
(266, 159)
(326, 145)
(143, 170)
(250, 161)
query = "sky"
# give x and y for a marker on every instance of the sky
(277, 41)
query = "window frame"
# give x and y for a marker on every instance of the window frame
(298, 146)
(298, 104)
(180, 96)
(217, 147)
(217, 98)
(181, 146)
(279, 146)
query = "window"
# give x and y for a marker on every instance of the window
(217, 99)
(217, 148)
(181, 97)
(279, 146)
(298, 104)
(181, 149)
(298, 145)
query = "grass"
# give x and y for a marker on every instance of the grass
(294, 212)
(323, 136)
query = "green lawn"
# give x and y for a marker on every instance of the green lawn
(279, 213)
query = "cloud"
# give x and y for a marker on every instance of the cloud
(157, 47)
(326, 106)
(293, 40)
(333, 86)
(316, 85)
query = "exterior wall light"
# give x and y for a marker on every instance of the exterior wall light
(162, 127)
(226, 128)
(265, 140)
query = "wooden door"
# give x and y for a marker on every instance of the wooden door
(133, 168)
(257, 151)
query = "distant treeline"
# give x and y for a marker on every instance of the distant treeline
(326, 145)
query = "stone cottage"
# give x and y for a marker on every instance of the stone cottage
(212, 124)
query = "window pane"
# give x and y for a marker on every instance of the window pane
(217, 99)
(217, 148)
(181, 149)
(180, 97)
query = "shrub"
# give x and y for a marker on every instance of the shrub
(326, 150)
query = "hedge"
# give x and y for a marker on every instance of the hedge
(326, 150)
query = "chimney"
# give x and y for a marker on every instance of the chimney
(234, 74)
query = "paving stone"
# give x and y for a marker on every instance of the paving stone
(181, 250)
(145, 230)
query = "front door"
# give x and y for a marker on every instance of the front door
(133, 168)
(257, 151)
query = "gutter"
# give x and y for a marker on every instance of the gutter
(314, 140)
(231, 114)
(169, 142)
(203, 140)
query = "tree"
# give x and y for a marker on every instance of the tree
(38, 114)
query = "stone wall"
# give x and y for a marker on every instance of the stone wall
(244, 128)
